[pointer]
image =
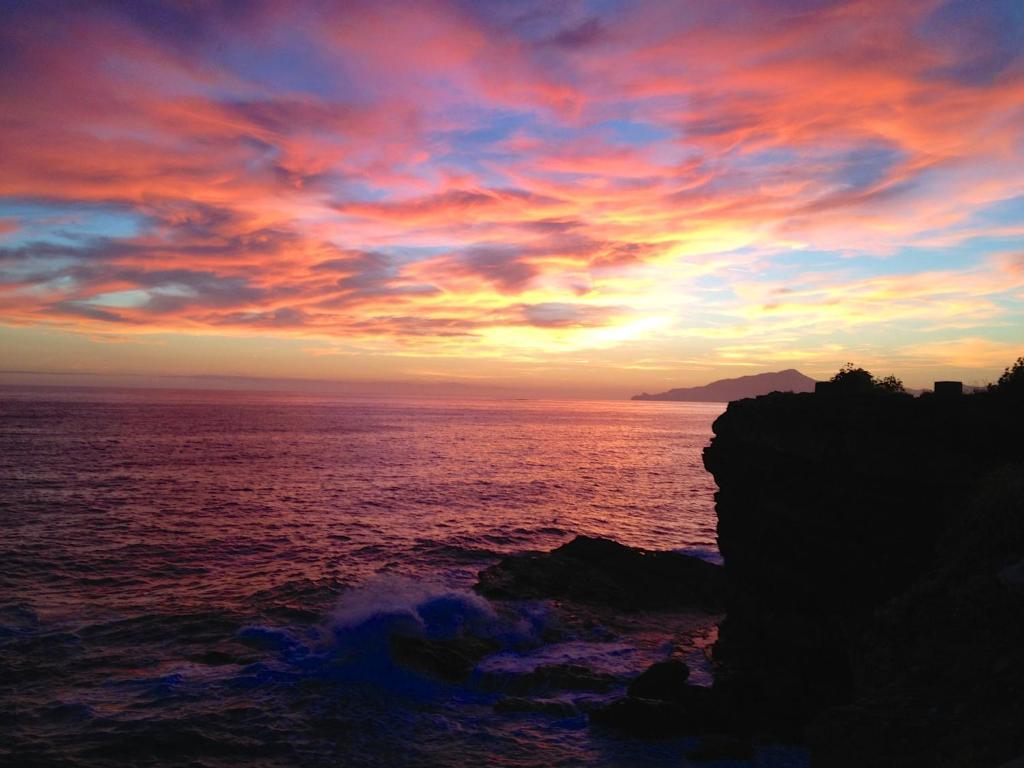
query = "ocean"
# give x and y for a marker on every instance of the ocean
(212, 578)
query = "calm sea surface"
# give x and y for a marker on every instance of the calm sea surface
(196, 578)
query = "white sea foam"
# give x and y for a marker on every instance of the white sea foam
(411, 606)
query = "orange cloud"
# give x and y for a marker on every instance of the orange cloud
(466, 180)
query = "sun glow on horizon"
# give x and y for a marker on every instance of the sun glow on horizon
(575, 193)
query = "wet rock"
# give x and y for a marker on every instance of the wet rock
(604, 572)
(561, 677)
(645, 718)
(664, 681)
(549, 707)
(883, 737)
(449, 660)
(721, 746)
(694, 709)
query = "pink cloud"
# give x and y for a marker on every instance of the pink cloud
(367, 171)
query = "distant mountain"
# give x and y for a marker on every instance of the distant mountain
(726, 390)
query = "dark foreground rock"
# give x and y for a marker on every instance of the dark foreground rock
(648, 718)
(593, 570)
(660, 703)
(449, 660)
(696, 711)
(663, 680)
(870, 543)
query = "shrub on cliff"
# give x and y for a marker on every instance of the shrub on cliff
(889, 384)
(1012, 380)
(852, 378)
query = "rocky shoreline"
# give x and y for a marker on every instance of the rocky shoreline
(873, 553)
(618, 582)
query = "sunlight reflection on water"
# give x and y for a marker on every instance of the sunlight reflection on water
(171, 560)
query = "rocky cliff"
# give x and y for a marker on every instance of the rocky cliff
(873, 544)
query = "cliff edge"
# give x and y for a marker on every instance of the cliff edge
(874, 545)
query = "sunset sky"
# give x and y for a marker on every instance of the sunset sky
(601, 197)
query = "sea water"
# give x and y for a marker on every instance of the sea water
(212, 578)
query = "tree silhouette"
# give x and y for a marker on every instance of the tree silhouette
(1012, 380)
(852, 378)
(890, 384)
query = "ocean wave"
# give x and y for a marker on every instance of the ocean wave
(206, 594)
(391, 605)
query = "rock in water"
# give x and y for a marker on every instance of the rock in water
(450, 660)
(687, 710)
(665, 681)
(643, 717)
(604, 572)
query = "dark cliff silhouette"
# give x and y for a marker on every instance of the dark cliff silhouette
(726, 390)
(873, 581)
(874, 544)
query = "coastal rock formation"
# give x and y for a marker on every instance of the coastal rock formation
(870, 543)
(676, 709)
(662, 680)
(873, 546)
(601, 587)
(604, 572)
(648, 718)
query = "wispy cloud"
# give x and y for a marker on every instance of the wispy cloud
(525, 179)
